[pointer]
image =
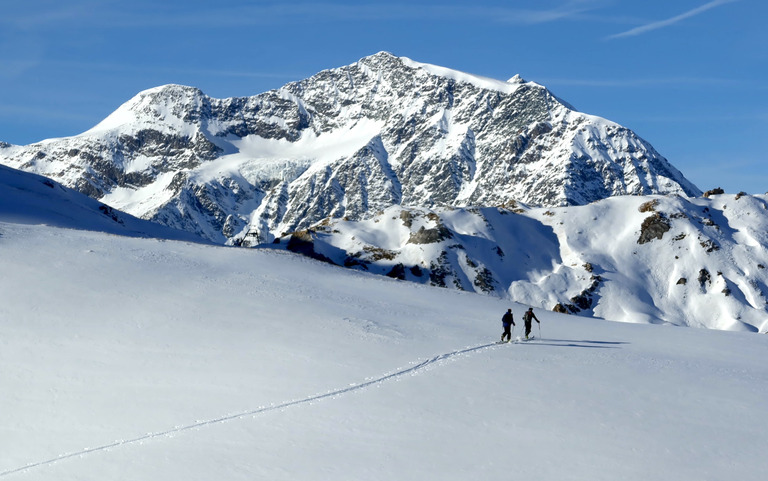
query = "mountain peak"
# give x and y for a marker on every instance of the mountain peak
(380, 56)
(390, 62)
(165, 104)
(167, 96)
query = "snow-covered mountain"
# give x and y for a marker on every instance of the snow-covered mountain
(347, 143)
(698, 262)
(136, 359)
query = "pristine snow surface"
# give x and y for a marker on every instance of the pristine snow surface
(146, 359)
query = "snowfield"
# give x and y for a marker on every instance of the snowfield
(135, 358)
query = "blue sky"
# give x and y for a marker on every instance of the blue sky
(689, 76)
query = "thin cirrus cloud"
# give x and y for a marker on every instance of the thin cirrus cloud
(671, 21)
(644, 82)
(149, 15)
(329, 12)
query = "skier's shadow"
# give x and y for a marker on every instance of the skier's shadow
(582, 343)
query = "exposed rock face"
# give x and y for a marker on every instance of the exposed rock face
(715, 191)
(347, 143)
(653, 227)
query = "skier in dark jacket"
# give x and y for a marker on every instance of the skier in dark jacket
(527, 317)
(507, 321)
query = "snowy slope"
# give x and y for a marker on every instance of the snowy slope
(33, 199)
(128, 358)
(663, 259)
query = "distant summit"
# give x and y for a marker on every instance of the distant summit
(347, 143)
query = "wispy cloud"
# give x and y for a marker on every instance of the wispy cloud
(28, 16)
(14, 68)
(644, 82)
(671, 21)
(150, 14)
(343, 12)
(30, 113)
(115, 67)
(710, 118)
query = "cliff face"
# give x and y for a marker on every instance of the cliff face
(347, 143)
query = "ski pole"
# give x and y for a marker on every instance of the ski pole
(539, 323)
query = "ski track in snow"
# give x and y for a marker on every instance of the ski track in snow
(261, 410)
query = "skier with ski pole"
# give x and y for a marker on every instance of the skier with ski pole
(507, 321)
(528, 317)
